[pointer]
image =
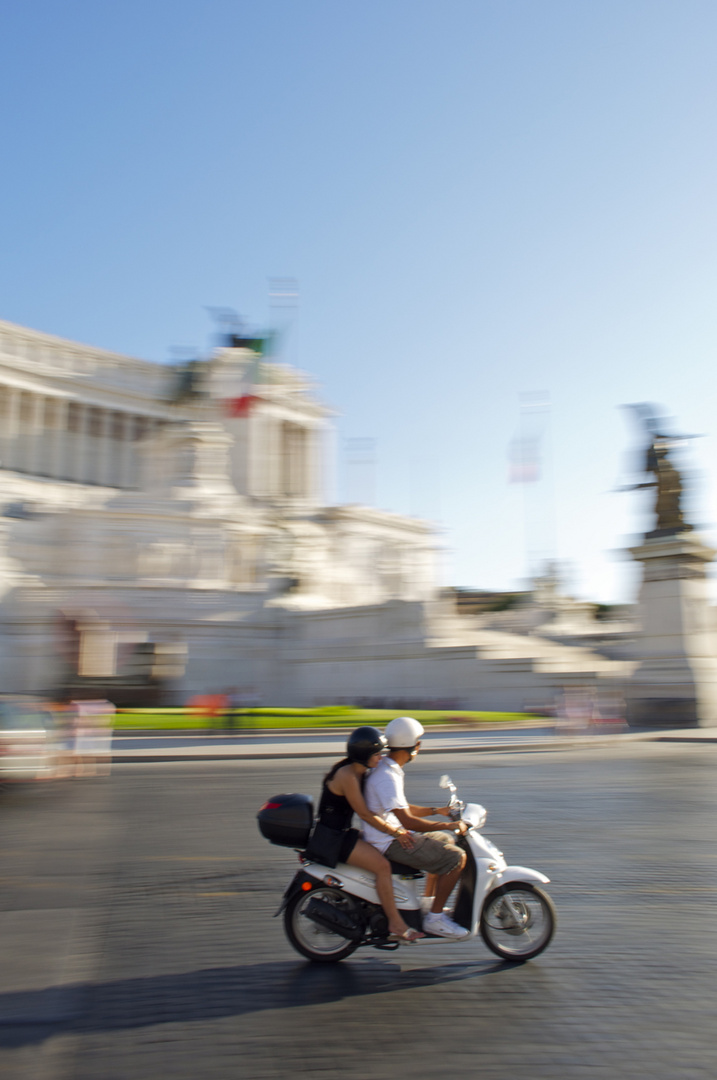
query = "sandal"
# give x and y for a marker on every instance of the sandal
(408, 937)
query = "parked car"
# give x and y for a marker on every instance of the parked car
(28, 748)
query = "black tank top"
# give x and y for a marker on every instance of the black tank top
(335, 810)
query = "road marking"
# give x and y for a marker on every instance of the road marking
(194, 858)
(28, 883)
(223, 894)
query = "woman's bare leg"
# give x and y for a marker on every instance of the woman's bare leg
(369, 858)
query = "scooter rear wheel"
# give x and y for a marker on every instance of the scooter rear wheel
(517, 921)
(311, 940)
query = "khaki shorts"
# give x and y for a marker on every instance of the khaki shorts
(434, 852)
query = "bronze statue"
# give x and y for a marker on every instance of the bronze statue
(668, 506)
(667, 479)
(188, 381)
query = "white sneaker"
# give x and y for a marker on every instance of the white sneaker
(442, 925)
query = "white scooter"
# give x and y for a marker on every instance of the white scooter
(329, 913)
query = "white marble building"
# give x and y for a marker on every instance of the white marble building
(138, 518)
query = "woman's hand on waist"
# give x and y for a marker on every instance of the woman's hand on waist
(405, 839)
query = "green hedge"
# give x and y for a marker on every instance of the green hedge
(334, 716)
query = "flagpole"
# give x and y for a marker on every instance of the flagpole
(532, 468)
(283, 296)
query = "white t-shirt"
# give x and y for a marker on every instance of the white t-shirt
(383, 792)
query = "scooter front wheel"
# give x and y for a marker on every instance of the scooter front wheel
(517, 921)
(308, 937)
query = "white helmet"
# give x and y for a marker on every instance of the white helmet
(403, 733)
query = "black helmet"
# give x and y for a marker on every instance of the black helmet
(363, 743)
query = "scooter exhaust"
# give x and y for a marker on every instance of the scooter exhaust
(330, 918)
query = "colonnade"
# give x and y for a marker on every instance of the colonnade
(284, 459)
(294, 471)
(64, 439)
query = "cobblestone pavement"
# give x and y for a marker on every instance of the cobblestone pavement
(137, 938)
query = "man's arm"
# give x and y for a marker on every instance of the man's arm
(416, 822)
(427, 811)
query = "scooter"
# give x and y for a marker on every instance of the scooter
(329, 913)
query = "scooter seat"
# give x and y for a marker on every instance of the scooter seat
(405, 871)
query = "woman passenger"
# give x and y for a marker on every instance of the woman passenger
(341, 798)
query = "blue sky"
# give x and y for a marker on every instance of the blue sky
(478, 200)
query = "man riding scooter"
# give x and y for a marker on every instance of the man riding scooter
(434, 850)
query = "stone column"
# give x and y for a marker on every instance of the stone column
(112, 435)
(125, 452)
(312, 464)
(75, 423)
(83, 445)
(58, 449)
(12, 427)
(121, 449)
(273, 446)
(289, 460)
(259, 452)
(37, 434)
(140, 429)
(104, 446)
(280, 459)
(303, 462)
(23, 445)
(675, 682)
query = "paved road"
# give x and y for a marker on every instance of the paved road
(137, 938)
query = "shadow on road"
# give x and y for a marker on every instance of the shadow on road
(32, 1016)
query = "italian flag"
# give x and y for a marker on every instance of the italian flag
(243, 404)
